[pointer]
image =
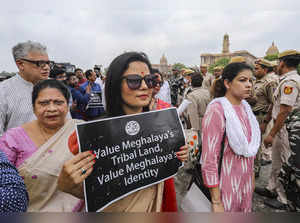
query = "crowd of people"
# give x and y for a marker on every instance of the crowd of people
(251, 112)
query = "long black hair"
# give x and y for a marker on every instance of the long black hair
(113, 81)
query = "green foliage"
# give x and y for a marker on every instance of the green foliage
(178, 66)
(271, 57)
(298, 69)
(221, 62)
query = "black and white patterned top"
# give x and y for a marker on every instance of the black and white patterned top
(13, 194)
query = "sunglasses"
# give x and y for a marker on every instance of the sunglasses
(40, 63)
(134, 81)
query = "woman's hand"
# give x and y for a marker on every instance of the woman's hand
(74, 172)
(182, 155)
(217, 207)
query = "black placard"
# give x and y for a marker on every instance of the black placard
(133, 152)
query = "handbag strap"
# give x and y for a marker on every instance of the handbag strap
(197, 168)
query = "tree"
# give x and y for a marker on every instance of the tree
(221, 62)
(271, 57)
(178, 66)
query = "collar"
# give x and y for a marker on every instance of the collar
(262, 79)
(21, 79)
(282, 77)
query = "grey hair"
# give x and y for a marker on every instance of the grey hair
(21, 50)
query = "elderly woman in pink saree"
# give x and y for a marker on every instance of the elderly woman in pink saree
(39, 149)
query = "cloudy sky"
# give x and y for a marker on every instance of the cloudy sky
(89, 32)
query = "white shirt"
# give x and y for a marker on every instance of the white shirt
(100, 82)
(164, 93)
(15, 103)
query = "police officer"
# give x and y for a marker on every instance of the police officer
(263, 90)
(217, 72)
(207, 77)
(186, 74)
(286, 98)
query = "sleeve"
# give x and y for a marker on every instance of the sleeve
(213, 127)
(13, 194)
(168, 92)
(3, 112)
(289, 93)
(270, 89)
(80, 96)
(8, 145)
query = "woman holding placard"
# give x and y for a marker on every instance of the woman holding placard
(128, 90)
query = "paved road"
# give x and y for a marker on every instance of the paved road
(182, 180)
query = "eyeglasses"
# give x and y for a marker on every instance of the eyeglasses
(40, 63)
(134, 81)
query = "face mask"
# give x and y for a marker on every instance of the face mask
(185, 80)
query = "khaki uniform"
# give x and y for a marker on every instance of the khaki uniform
(207, 80)
(200, 98)
(263, 90)
(287, 93)
(273, 76)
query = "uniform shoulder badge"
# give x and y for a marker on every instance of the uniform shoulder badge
(288, 90)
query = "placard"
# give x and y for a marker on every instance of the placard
(132, 152)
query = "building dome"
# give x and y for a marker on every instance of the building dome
(272, 50)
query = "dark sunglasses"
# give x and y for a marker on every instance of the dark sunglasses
(40, 63)
(134, 81)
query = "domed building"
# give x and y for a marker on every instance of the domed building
(272, 50)
(164, 67)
